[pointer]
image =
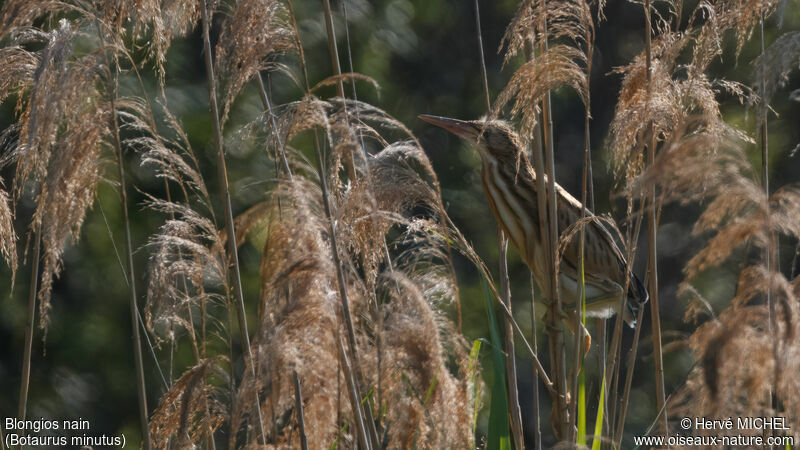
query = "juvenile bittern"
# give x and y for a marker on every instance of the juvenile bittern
(509, 183)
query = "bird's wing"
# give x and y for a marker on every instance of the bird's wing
(604, 261)
(603, 256)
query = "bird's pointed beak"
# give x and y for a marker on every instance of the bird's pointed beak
(460, 128)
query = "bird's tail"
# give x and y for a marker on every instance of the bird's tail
(637, 297)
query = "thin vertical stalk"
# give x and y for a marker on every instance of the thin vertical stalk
(26, 357)
(113, 87)
(580, 307)
(614, 356)
(601, 420)
(536, 154)
(386, 255)
(537, 424)
(552, 325)
(628, 379)
(374, 210)
(334, 49)
(226, 200)
(554, 329)
(515, 411)
(265, 101)
(337, 70)
(763, 143)
(298, 401)
(299, 43)
(612, 367)
(556, 332)
(323, 180)
(344, 362)
(137, 342)
(484, 76)
(771, 249)
(193, 338)
(151, 120)
(355, 398)
(351, 337)
(196, 352)
(171, 355)
(652, 225)
(350, 373)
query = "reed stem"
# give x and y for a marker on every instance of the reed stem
(771, 248)
(353, 173)
(652, 224)
(137, 341)
(225, 195)
(29, 326)
(554, 328)
(537, 422)
(344, 361)
(628, 379)
(586, 183)
(298, 402)
(355, 397)
(536, 156)
(515, 411)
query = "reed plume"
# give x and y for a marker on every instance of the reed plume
(741, 218)
(426, 387)
(255, 31)
(8, 237)
(299, 314)
(569, 25)
(188, 254)
(62, 131)
(193, 405)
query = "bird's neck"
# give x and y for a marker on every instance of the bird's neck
(518, 165)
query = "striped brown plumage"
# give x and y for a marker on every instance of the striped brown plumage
(509, 183)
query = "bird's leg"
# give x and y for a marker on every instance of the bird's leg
(572, 322)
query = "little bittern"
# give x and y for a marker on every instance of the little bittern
(509, 183)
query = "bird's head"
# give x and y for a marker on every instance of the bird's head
(495, 139)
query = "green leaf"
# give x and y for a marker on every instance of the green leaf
(598, 423)
(335, 444)
(431, 389)
(472, 373)
(581, 438)
(499, 434)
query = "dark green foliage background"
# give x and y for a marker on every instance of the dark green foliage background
(423, 53)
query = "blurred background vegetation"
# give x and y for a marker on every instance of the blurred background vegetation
(423, 54)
